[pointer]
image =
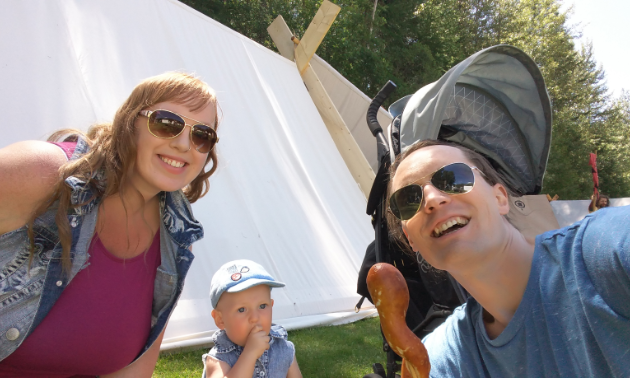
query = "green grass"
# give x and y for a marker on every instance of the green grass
(346, 351)
(180, 365)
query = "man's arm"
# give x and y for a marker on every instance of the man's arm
(605, 249)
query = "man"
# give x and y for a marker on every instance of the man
(556, 305)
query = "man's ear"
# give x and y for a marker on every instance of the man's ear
(272, 303)
(218, 318)
(503, 199)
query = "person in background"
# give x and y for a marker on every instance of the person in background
(96, 232)
(247, 344)
(557, 305)
(598, 201)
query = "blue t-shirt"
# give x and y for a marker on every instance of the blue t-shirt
(573, 320)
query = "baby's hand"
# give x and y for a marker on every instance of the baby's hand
(257, 342)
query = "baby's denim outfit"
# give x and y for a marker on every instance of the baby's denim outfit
(274, 362)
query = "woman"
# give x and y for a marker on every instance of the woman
(556, 305)
(598, 201)
(95, 233)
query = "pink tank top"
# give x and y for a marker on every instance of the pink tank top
(99, 324)
(67, 147)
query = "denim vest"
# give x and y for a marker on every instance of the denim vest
(274, 362)
(29, 290)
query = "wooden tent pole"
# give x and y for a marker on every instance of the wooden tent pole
(301, 51)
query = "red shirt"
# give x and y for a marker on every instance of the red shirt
(99, 324)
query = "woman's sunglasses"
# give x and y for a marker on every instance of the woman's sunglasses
(165, 124)
(456, 178)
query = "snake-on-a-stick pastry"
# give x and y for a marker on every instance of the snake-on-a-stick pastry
(390, 295)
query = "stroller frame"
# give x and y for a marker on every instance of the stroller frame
(435, 295)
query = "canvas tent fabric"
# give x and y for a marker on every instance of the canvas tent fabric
(282, 195)
(352, 105)
(569, 212)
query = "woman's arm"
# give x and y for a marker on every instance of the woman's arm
(294, 370)
(593, 205)
(143, 366)
(28, 173)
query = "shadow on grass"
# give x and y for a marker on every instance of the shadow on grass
(346, 351)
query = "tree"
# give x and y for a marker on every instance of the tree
(413, 42)
(611, 139)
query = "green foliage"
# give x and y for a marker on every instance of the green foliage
(611, 138)
(413, 42)
(341, 351)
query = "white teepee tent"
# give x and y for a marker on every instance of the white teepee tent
(282, 195)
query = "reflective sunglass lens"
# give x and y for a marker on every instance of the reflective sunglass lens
(406, 202)
(454, 179)
(165, 124)
(204, 138)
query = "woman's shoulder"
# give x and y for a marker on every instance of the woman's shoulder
(31, 165)
(34, 151)
(28, 172)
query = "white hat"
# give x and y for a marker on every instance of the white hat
(239, 275)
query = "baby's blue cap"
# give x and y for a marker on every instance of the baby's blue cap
(239, 275)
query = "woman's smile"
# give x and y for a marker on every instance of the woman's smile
(172, 162)
(169, 164)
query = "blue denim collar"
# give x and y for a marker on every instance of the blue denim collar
(175, 209)
(178, 218)
(82, 193)
(224, 345)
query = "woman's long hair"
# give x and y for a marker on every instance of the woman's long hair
(113, 150)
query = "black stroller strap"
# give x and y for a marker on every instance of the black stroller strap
(379, 187)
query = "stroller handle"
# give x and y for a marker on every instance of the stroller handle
(376, 103)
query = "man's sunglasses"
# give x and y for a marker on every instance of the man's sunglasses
(452, 179)
(165, 124)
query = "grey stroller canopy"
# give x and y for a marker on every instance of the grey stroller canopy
(495, 103)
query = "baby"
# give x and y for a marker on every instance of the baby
(247, 344)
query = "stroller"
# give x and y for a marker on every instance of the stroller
(495, 103)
